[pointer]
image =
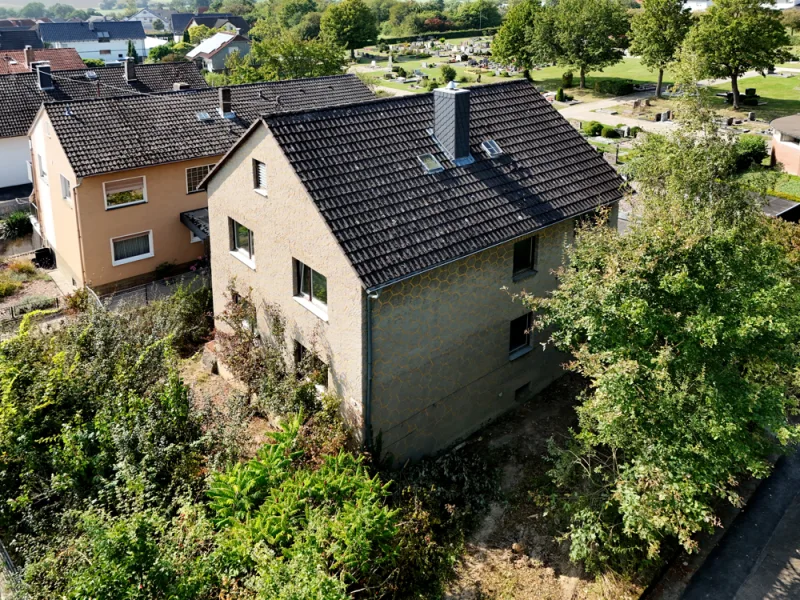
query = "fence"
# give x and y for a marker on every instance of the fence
(15, 205)
(144, 294)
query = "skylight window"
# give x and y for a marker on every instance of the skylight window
(90, 75)
(491, 148)
(204, 116)
(431, 164)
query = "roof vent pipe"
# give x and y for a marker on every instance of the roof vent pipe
(225, 106)
(130, 69)
(28, 56)
(44, 80)
(451, 122)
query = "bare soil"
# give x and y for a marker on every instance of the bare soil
(514, 554)
(39, 285)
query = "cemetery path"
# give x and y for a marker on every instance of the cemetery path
(586, 111)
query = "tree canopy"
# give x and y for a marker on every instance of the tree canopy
(657, 32)
(350, 24)
(736, 36)
(515, 41)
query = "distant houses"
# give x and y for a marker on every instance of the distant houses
(104, 40)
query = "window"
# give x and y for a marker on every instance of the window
(519, 341)
(430, 164)
(124, 192)
(42, 170)
(259, 176)
(524, 256)
(491, 148)
(131, 248)
(310, 285)
(66, 189)
(194, 175)
(242, 245)
(105, 52)
(308, 364)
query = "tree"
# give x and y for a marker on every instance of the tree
(687, 329)
(186, 37)
(350, 24)
(477, 14)
(198, 33)
(94, 62)
(33, 10)
(584, 34)
(791, 19)
(513, 42)
(132, 51)
(309, 26)
(158, 25)
(448, 73)
(658, 30)
(291, 12)
(736, 36)
(61, 11)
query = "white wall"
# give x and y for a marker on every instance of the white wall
(118, 49)
(14, 155)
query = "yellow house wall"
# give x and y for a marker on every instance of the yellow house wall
(286, 225)
(441, 366)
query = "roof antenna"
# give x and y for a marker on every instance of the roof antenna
(67, 111)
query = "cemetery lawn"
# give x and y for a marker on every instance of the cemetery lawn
(787, 186)
(781, 94)
(549, 79)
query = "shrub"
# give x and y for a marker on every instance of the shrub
(464, 58)
(94, 62)
(566, 79)
(23, 267)
(609, 132)
(560, 95)
(432, 84)
(8, 286)
(448, 73)
(505, 74)
(750, 150)
(16, 225)
(592, 128)
(464, 79)
(614, 87)
(635, 131)
(35, 303)
(401, 72)
(77, 301)
(163, 269)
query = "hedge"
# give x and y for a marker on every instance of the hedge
(614, 86)
(436, 35)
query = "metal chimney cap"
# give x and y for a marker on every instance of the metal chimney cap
(452, 85)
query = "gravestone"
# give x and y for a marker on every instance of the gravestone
(751, 116)
(729, 121)
(626, 131)
(373, 64)
(665, 116)
(647, 101)
(658, 117)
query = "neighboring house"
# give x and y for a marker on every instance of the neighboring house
(19, 61)
(180, 21)
(392, 235)
(106, 40)
(117, 179)
(213, 52)
(786, 143)
(700, 5)
(149, 16)
(16, 38)
(22, 94)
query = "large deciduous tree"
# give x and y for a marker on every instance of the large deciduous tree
(583, 34)
(736, 36)
(349, 23)
(477, 14)
(688, 330)
(515, 41)
(658, 31)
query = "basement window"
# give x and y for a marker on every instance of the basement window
(491, 148)
(430, 164)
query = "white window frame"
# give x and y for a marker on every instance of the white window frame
(256, 187)
(114, 207)
(125, 261)
(318, 307)
(66, 186)
(42, 170)
(250, 258)
(210, 167)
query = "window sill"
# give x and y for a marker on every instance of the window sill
(125, 205)
(317, 310)
(519, 353)
(241, 257)
(125, 261)
(522, 275)
(260, 192)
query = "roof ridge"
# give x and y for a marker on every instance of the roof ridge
(393, 99)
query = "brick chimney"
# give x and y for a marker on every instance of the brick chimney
(28, 56)
(130, 69)
(451, 122)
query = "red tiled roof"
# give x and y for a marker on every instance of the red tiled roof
(61, 59)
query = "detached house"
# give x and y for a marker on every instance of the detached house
(214, 51)
(117, 179)
(106, 40)
(180, 22)
(391, 234)
(22, 94)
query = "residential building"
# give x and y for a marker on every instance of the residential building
(22, 94)
(17, 38)
(182, 21)
(20, 61)
(214, 51)
(106, 40)
(393, 234)
(786, 143)
(148, 18)
(117, 178)
(700, 5)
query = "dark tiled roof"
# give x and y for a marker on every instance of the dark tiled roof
(360, 165)
(181, 20)
(15, 38)
(60, 59)
(20, 98)
(80, 32)
(101, 136)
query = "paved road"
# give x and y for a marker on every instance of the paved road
(759, 557)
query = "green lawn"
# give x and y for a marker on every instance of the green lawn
(549, 79)
(786, 185)
(781, 94)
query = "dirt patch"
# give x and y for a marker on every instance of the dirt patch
(34, 287)
(514, 553)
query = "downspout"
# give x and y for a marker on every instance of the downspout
(367, 434)
(78, 225)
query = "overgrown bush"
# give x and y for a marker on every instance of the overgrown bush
(609, 131)
(22, 267)
(448, 73)
(592, 128)
(77, 301)
(566, 79)
(750, 150)
(16, 225)
(614, 86)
